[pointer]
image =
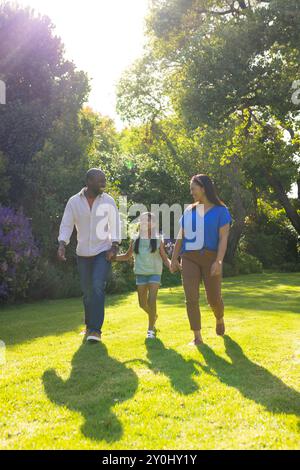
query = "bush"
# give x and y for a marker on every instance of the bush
(122, 278)
(243, 263)
(54, 281)
(290, 267)
(18, 254)
(270, 237)
(169, 280)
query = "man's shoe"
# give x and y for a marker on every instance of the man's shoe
(94, 336)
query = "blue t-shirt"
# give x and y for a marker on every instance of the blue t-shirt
(202, 232)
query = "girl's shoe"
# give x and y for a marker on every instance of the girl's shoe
(151, 334)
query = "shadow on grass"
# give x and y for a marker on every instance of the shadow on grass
(251, 292)
(26, 322)
(170, 363)
(253, 381)
(276, 292)
(96, 384)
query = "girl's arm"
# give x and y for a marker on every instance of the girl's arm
(126, 256)
(175, 265)
(164, 255)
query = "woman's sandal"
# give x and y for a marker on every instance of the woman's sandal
(196, 342)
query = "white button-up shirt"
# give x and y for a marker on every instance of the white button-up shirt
(97, 228)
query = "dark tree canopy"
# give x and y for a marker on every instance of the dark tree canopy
(39, 85)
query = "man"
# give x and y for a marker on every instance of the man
(96, 218)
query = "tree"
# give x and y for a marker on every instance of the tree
(231, 59)
(40, 84)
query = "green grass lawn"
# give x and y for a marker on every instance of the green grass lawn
(240, 391)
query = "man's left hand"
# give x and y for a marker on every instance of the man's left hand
(112, 253)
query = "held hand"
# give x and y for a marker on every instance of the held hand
(61, 253)
(111, 254)
(175, 266)
(216, 269)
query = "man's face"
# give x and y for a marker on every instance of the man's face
(97, 183)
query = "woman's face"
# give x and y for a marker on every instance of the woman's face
(197, 191)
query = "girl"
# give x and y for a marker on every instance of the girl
(203, 262)
(149, 255)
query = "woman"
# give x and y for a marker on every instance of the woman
(149, 255)
(202, 262)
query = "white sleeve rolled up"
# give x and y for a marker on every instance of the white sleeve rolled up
(67, 224)
(114, 222)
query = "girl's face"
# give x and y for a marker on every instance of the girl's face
(147, 224)
(197, 192)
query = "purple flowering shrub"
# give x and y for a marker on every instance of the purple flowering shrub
(18, 253)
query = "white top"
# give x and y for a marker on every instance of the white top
(96, 228)
(146, 262)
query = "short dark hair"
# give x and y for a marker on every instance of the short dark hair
(93, 172)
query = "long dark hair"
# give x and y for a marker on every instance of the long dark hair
(210, 191)
(153, 241)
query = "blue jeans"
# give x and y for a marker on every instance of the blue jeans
(93, 273)
(143, 280)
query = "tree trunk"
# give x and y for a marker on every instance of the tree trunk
(157, 130)
(239, 211)
(282, 197)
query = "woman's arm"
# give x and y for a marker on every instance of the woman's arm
(223, 240)
(164, 255)
(126, 256)
(175, 265)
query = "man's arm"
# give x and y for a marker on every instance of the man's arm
(112, 253)
(65, 231)
(115, 230)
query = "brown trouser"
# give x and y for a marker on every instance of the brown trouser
(196, 267)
